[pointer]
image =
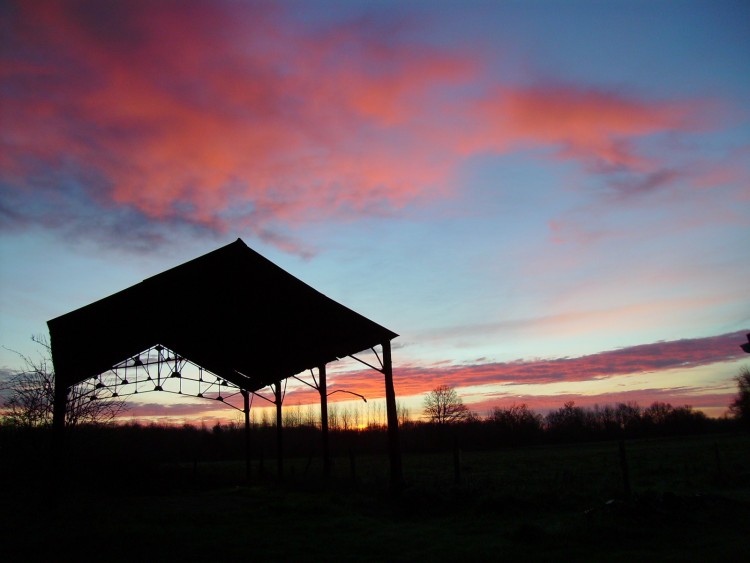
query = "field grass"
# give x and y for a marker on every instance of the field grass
(690, 500)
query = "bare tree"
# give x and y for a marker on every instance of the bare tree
(403, 414)
(658, 413)
(443, 405)
(292, 416)
(346, 419)
(570, 422)
(31, 393)
(334, 417)
(740, 406)
(516, 418)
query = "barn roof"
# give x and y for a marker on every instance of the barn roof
(231, 311)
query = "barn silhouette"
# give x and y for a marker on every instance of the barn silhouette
(231, 312)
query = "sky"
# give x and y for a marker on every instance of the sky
(548, 201)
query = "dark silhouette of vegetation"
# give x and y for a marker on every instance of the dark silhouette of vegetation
(31, 394)
(158, 459)
(442, 405)
(503, 485)
(516, 424)
(740, 406)
(570, 423)
(558, 502)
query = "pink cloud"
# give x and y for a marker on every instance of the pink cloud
(655, 357)
(186, 410)
(265, 123)
(580, 319)
(187, 123)
(596, 127)
(713, 403)
(417, 380)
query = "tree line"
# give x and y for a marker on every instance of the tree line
(445, 419)
(129, 450)
(518, 424)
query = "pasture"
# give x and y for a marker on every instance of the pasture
(689, 502)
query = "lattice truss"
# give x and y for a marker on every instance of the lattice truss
(160, 369)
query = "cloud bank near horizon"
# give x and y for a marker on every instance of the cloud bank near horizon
(644, 358)
(412, 381)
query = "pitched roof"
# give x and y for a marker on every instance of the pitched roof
(231, 311)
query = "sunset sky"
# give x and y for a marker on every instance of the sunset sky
(547, 200)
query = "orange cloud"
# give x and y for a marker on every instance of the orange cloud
(655, 357)
(595, 126)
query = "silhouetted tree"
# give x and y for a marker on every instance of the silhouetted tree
(443, 405)
(628, 415)
(663, 418)
(657, 414)
(31, 395)
(404, 416)
(569, 422)
(685, 420)
(740, 407)
(516, 424)
(613, 420)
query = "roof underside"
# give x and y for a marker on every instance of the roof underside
(231, 311)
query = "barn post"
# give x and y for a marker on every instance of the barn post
(279, 437)
(59, 406)
(324, 420)
(246, 401)
(394, 449)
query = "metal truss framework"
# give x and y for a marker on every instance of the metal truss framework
(159, 369)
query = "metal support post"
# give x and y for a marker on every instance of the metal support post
(394, 448)
(59, 406)
(279, 437)
(324, 420)
(246, 401)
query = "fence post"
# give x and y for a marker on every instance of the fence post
(353, 465)
(456, 462)
(717, 454)
(624, 468)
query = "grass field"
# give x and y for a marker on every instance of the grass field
(690, 501)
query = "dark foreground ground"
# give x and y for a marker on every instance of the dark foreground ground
(690, 502)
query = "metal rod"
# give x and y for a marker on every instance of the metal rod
(316, 387)
(353, 357)
(324, 421)
(350, 392)
(279, 435)
(374, 351)
(394, 448)
(246, 401)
